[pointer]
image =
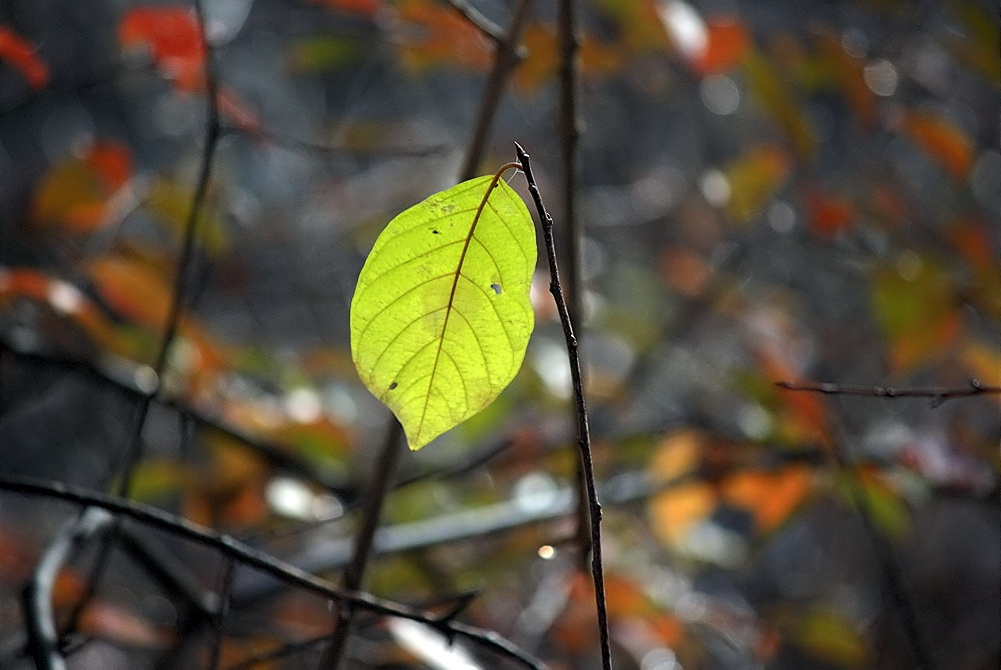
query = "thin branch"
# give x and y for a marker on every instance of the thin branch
(937, 394)
(490, 30)
(39, 618)
(129, 378)
(354, 575)
(264, 562)
(281, 652)
(583, 435)
(319, 149)
(505, 58)
(179, 296)
(219, 620)
(569, 131)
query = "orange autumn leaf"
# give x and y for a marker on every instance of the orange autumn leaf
(779, 101)
(174, 40)
(135, 290)
(941, 139)
(803, 416)
(771, 497)
(111, 622)
(685, 271)
(20, 53)
(828, 215)
(915, 306)
(668, 628)
(728, 41)
(674, 512)
(64, 298)
(76, 195)
(434, 35)
(70, 585)
(971, 238)
(983, 362)
(623, 597)
(754, 178)
(542, 44)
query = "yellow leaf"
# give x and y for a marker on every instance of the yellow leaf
(441, 315)
(754, 178)
(778, 100)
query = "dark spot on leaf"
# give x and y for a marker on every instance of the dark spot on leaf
(496, 288)
(393, 386)
(435, 232)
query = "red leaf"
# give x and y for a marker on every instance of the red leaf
(941, 139)
(110, 621)
(21, 54)
(435, 35)
(174, 40)
(728, 42)
(75, 195)
(828, 214)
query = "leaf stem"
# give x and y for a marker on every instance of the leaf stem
(583, 433)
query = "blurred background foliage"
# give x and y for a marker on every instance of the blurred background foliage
(770, 191)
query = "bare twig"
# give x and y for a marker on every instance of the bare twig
(488, 28)
(219, 620)
(39, 619)
(320, 149)
(354, 574)
(571, 229)
(937, 394)
(134, 449)
(123, 376)
(505, 58)
(583, 435)
(264, 562)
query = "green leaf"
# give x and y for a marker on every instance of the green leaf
(441, 315)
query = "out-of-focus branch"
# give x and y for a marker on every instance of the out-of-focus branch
(266, 563)
(130, 378)
(490, 30)
(937, 394)
(39, 619)
(319, 149)
(354, 574)
(505, 58)
(583, 433)
(179, 296)
(571, 230)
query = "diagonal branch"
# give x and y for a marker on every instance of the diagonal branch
(506, 56)
(241, 553)
(354, 574)
(179, 298)
(129, 378)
